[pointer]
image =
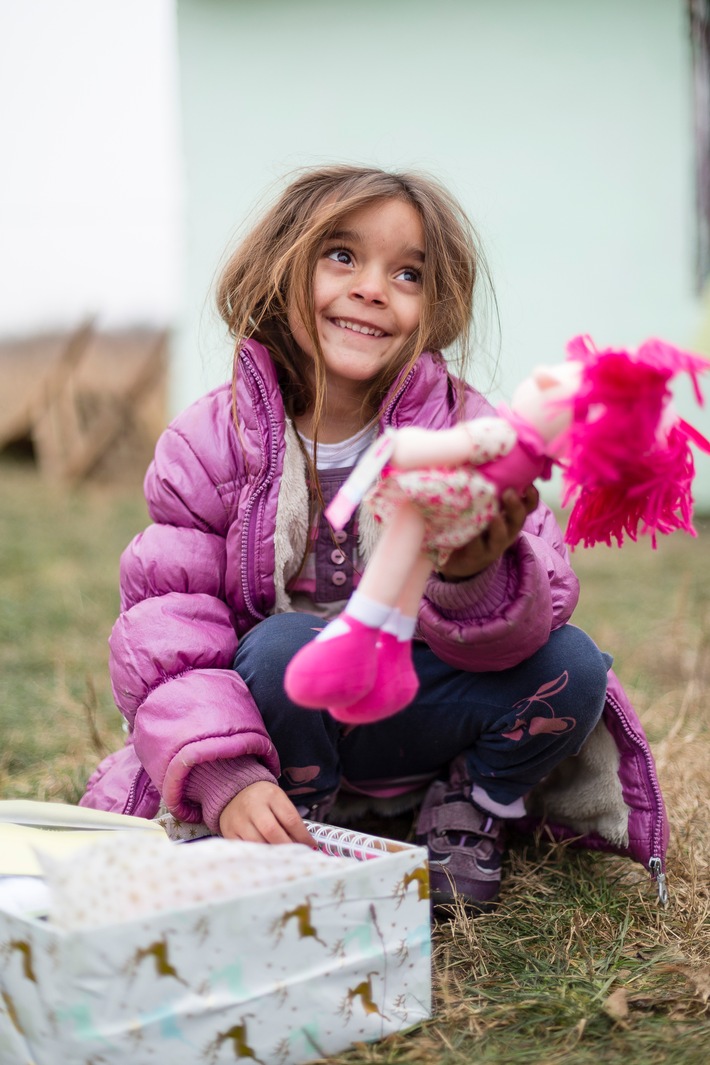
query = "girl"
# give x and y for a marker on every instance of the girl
(339, 302)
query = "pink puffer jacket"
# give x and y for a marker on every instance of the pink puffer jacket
(211, 567)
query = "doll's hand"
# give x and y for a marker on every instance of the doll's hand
(500, 534)
(263, 813)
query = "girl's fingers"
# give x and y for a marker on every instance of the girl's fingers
(292, 824)
(262, 813)
(516, 508)
(497, 536)
(531, 498)
(273, 832)
(267, 830)
(286, 824)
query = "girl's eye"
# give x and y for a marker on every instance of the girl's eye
(410, 275)
(340, 255)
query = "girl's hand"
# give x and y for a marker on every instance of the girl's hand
(263, 813)
(501, 534)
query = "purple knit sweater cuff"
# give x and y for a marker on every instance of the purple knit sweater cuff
(476, 598)
(213, 784)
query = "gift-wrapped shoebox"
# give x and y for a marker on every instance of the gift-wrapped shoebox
(150, 951)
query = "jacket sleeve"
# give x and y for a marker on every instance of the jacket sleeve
(173, 645)
(502, 616)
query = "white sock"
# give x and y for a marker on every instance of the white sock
(405, 627)
(367, 611)
(336, 627)
(391, 625)
(484, 801)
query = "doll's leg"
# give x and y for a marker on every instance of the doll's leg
(395, 683)
(393, 575)
(340, 666)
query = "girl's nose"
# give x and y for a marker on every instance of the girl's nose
(370, 287)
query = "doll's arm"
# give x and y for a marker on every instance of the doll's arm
(477, 441)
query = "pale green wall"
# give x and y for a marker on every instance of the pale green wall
(564, 126)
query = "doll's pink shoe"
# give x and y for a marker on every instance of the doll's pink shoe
(394, 687)
(334, 670)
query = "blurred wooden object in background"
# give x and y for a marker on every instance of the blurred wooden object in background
(86, 402)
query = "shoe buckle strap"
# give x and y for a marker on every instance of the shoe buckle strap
(457, 817)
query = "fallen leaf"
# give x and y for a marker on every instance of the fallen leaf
(617, 1005)
(698, 976)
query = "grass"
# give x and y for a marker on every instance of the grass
(578, 964)
(59, 558)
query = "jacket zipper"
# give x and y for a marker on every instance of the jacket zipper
(248, 536)
(655, 863)
(387, 416)
(131, 800)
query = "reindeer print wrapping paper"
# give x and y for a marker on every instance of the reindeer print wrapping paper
(297, 970)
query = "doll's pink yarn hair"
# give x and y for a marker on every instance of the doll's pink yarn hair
(627, 466)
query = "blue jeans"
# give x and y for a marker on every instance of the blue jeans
(511, 726)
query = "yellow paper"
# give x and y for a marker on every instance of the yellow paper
(57, 829)
(63, 815)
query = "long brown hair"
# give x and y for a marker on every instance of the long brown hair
(273, 267)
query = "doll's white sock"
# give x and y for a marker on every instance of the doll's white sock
(400, 625)
(367, 611)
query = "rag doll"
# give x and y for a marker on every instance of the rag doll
(604, 417)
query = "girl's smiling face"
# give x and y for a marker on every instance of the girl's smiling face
(367, 293)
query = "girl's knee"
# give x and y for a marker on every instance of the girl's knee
(275, 640)
(577, 653)
(573, 662)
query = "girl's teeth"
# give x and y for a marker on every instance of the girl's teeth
(356, 328)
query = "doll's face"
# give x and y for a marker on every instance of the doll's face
(540, 398)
